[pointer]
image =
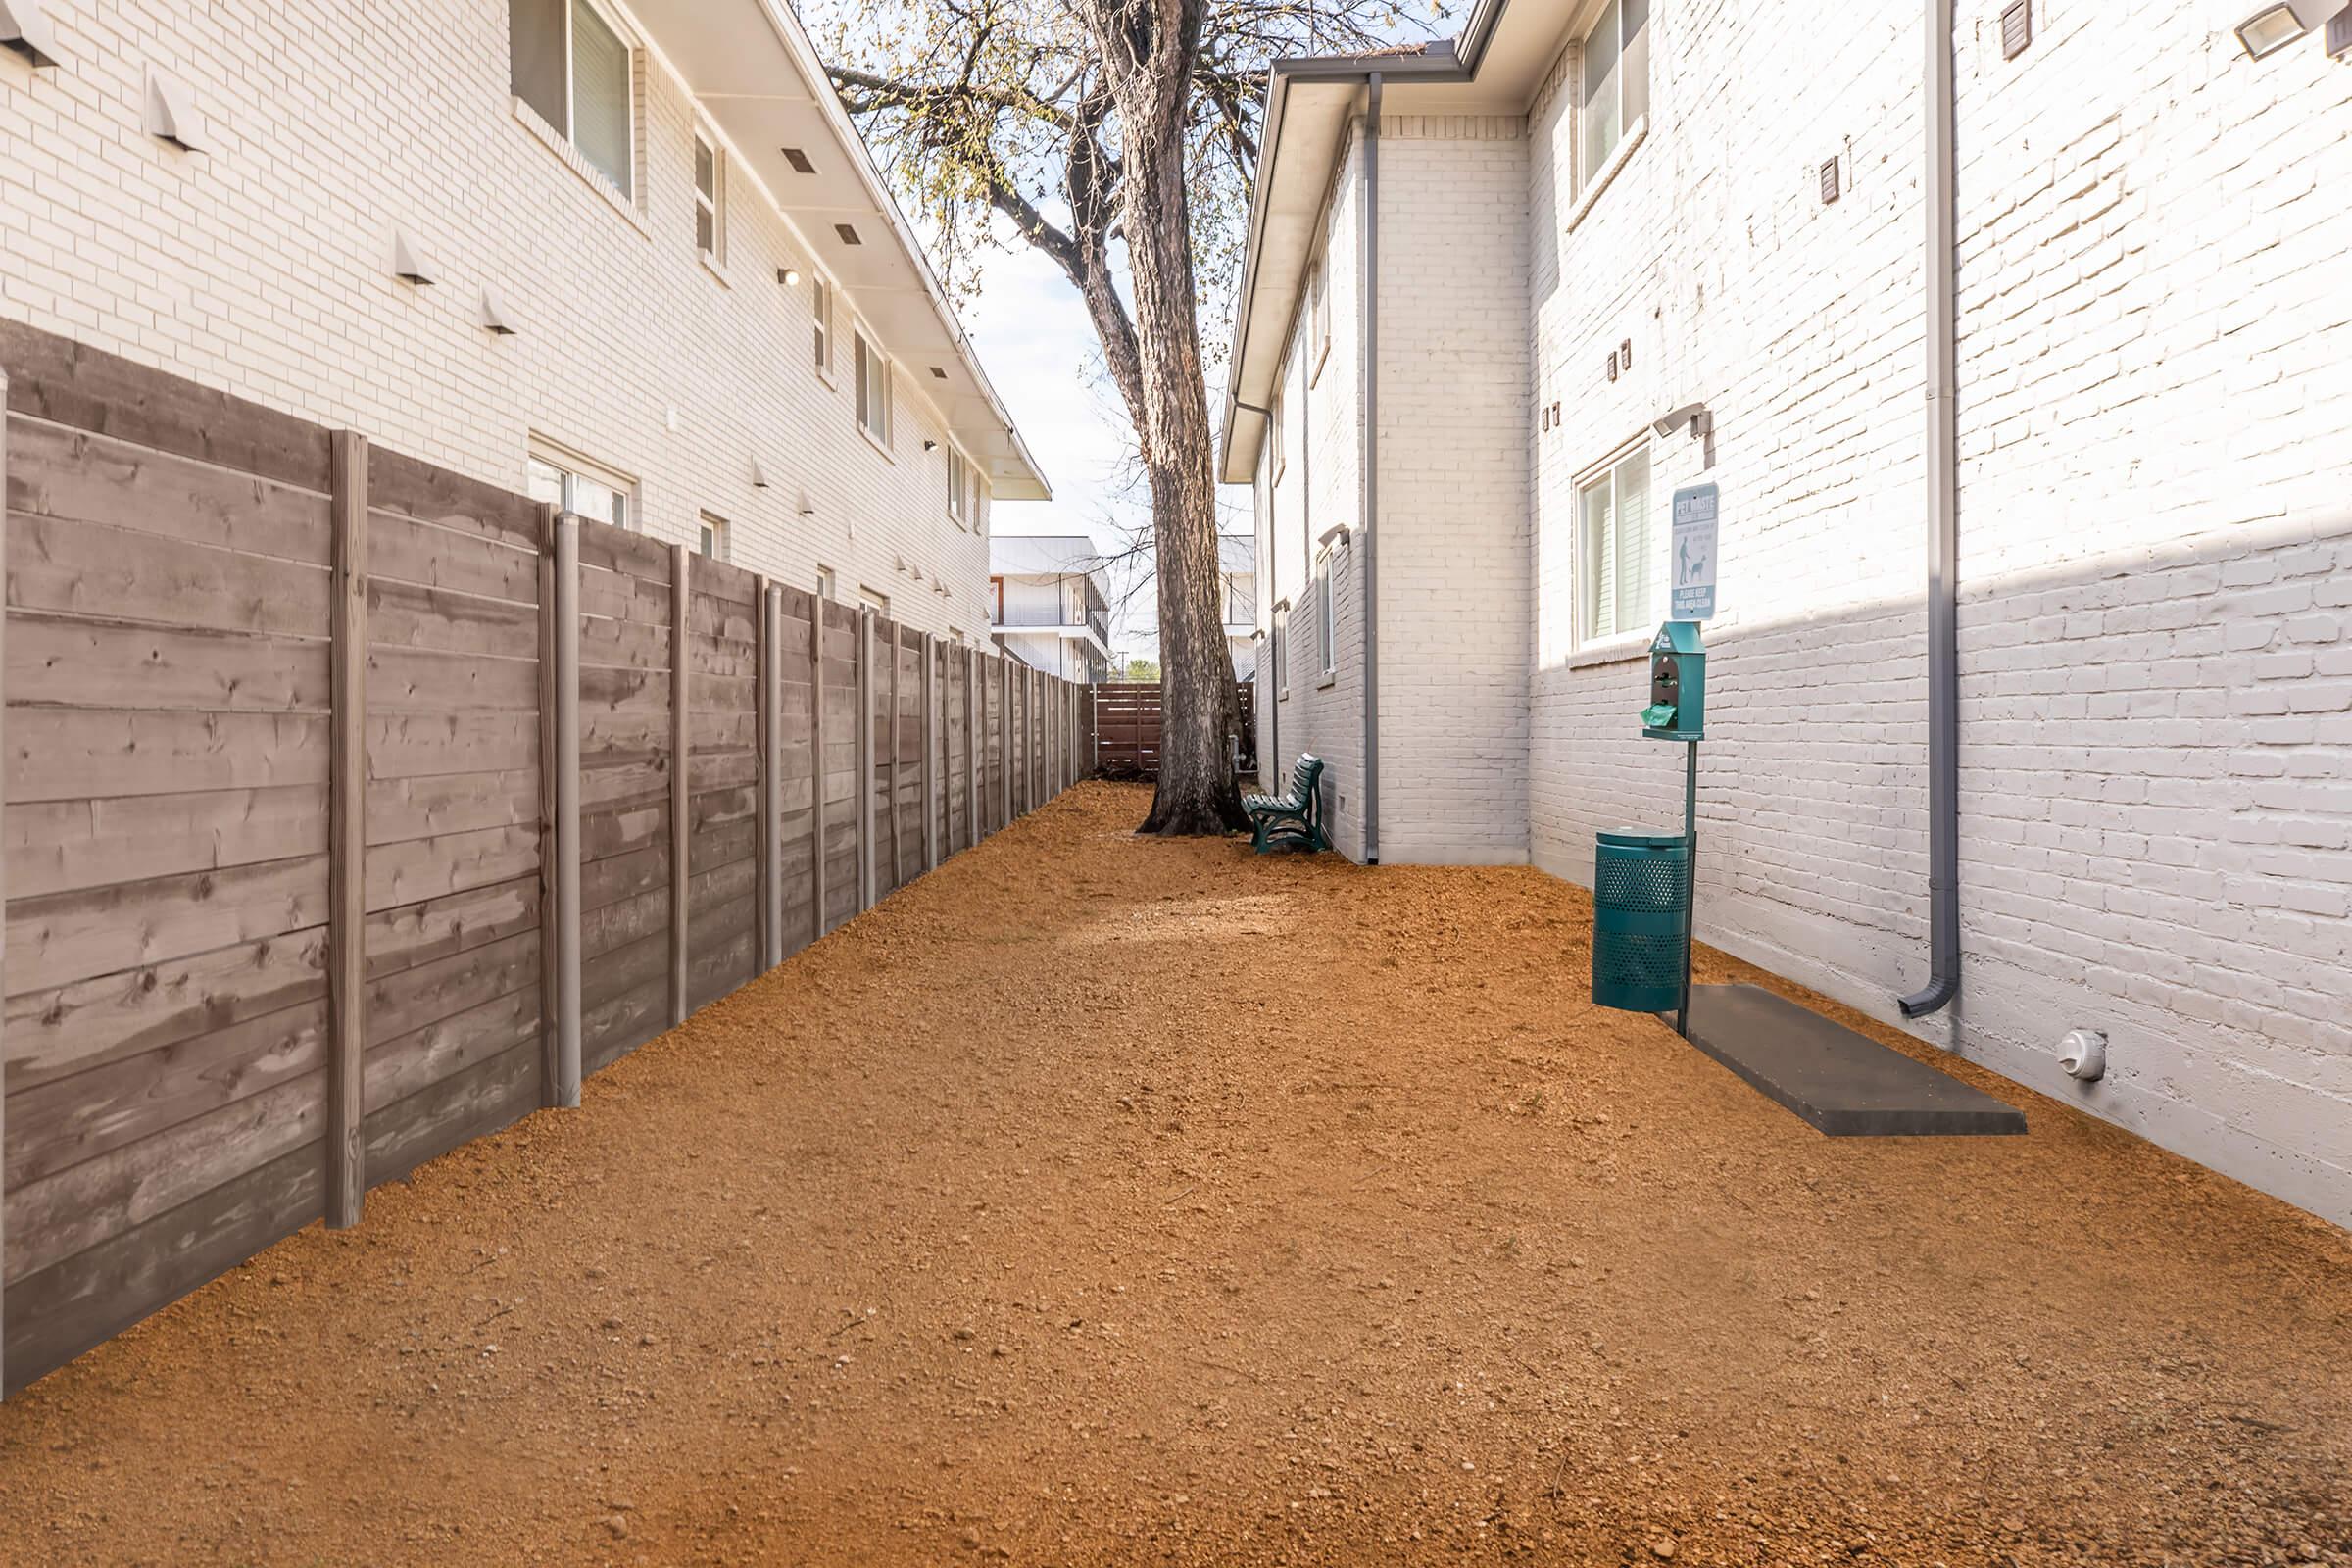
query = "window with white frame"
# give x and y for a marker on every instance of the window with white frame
(820, 301)
(710, 199)
(1326, 620)
(873, 390)
(1614, 82)
(1318, 322)
(1619, 554)
(874, 600)
(572, 65)
(1239, 611)
(1274, 431)
(824, 584)
(979, 506)
(960, 504)
(587, 489)
(713, 543)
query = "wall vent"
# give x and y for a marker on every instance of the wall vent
(26, 31)
(849, 235)
(938, 374)
(2339, 35)
(799, 161)
(1829, 187)
(2017, 27)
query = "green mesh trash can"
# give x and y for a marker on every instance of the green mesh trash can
(1641, 899)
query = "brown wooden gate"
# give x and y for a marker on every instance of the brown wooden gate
(1127, 724)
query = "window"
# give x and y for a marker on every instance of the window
(1239, 611)
(1326, 625)
(979, 506)
(873, 391)
(874, 600)
(1281, 650)
(821, 301)
(1318, 322)
(1618, 563)
(996, 601)
(572, 67)
(715, 545)
(1274, 431)
(824, 584)
(958, 483)
(579, 486)
(710, 237)
(1615, 82)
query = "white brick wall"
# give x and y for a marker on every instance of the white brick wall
(2155, 522)
(1454, 633)
(2156, 512)
(262, 266)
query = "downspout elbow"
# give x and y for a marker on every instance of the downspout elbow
(1940, 991)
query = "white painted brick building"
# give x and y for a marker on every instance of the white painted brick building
(259, 259)
(2154, 372)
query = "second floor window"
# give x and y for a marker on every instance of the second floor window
(873, 391)
(959, 505)
(1615, 82)
(820, 300)
(572, 67)
(996, 601)
(710, 237)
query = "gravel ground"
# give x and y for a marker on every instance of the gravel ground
(1103, 1199)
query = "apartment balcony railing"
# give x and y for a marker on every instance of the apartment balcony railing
(1097, 621)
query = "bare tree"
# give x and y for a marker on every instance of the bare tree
(1118, 137)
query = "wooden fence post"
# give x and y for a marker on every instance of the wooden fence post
(865, 758)
(971, 748)
(771, 783)
(897, 862)
(681, 794)
(564, 1088)
(2, 854)
(347, 839)
(551, 978)
(817, 762)
(1005, 725)
(932, 794)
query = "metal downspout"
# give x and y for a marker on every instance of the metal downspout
(1371, 480)
(1943, 644)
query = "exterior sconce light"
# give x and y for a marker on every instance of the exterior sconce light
(758, 475)
(26, 31)
(2275, 27)
(1694, 415)
(494, 316)
(930, 446)
(789, 276)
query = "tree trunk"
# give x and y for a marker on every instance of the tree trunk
(1150, 46)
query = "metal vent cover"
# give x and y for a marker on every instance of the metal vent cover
(849, 235)
(799, 161)
(2017, 27)
(1829, 187)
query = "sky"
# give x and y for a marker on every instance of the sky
(1038, 346)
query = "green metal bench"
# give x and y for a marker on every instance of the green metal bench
(1294, 817)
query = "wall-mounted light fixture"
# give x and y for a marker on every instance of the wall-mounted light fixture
(789, 276)
(758, 475)
(930, 446)
(409, 262)
(24, 30)
(1694, 415)
(172, 113)
(2275, 27)
(494, 319)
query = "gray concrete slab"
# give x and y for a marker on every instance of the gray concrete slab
(1846, 1084)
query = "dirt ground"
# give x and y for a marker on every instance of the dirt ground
(1100, 1199)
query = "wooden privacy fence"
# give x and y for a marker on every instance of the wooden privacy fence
(1125, 719)
(356, 808)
